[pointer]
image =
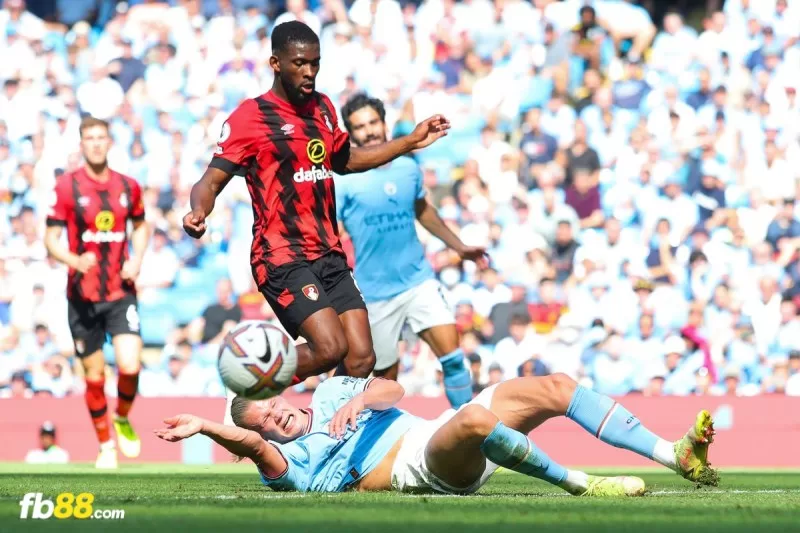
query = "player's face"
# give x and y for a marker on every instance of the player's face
(297, 69)
(95, 143)
(367, 128)
(276, 419)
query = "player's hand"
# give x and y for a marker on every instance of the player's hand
(428, 131)
(475, 253)
(86, 262)
(194, 223)
(179, 427)
(345, 416)
(130, 270)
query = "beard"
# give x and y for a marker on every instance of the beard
(293, 93)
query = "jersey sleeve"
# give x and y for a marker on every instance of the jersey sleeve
(236, 145)
(333, 393)
(60, 204)
(137, 204)
(296, 477)
(341, 139)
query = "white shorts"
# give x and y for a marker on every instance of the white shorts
(410, 472)
(421, 307)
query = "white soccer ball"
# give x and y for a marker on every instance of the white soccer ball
(257, 360)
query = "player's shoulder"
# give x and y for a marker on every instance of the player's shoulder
(127, 180)
(246, 110)
(340, 383)
(65, 181)
(325, 101)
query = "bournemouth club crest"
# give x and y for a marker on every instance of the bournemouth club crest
(311, 292)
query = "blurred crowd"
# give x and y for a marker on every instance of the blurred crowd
(634, 180)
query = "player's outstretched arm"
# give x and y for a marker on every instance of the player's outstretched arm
(429, 217)
(239, 441)
(381, 394)
(426, 133)
(204, 195)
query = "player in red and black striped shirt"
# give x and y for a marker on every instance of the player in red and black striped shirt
(94, 204)
(287, 144)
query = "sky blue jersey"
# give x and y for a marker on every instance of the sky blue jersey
(377, 210)
(320, 463)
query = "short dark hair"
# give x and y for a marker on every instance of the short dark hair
(359, 101)
(90, 122)
(519, 319)
(292, 32)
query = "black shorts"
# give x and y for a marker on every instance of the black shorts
(90, 322)
(295, 291)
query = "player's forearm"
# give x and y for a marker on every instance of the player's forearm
(382, 394)
(367, 157)
(203, 196)
(139, 239)
(238, 441)
(57, 251)
(431, 221)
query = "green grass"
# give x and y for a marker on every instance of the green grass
(228, 497)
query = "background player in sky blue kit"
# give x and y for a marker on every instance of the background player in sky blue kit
(378, 209)
(353, 438)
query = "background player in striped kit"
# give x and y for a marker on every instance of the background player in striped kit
(94, 204)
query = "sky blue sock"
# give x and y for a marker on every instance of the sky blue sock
(610, 422)
(457, 380)
(511, 449)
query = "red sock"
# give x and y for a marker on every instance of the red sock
(127, 384)
(98, 408)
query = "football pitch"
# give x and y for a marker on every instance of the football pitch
(176, 498)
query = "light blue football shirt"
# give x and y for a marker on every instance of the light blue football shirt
(377, 210)
(320, 463)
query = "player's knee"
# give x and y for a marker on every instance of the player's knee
(476, 421)
(332, 350)
(361, 360)
(560, 388)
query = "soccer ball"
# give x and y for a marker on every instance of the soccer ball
(257, 360)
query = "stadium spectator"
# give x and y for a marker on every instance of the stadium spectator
(181, 377)
(218, 318)
(664, 180)
(502, 313)
(18, 387)
(48, 452)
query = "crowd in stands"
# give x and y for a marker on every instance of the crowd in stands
(635, 181)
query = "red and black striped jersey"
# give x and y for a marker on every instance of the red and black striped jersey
(96, 216)
(287, 155)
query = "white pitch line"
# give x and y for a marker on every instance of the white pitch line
(723, 491)
(300, 495)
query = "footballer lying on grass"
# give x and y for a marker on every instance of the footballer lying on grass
(353, 438)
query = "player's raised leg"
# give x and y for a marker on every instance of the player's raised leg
(458, 452)
(525, 403)
(345, 297)
(360, 358)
